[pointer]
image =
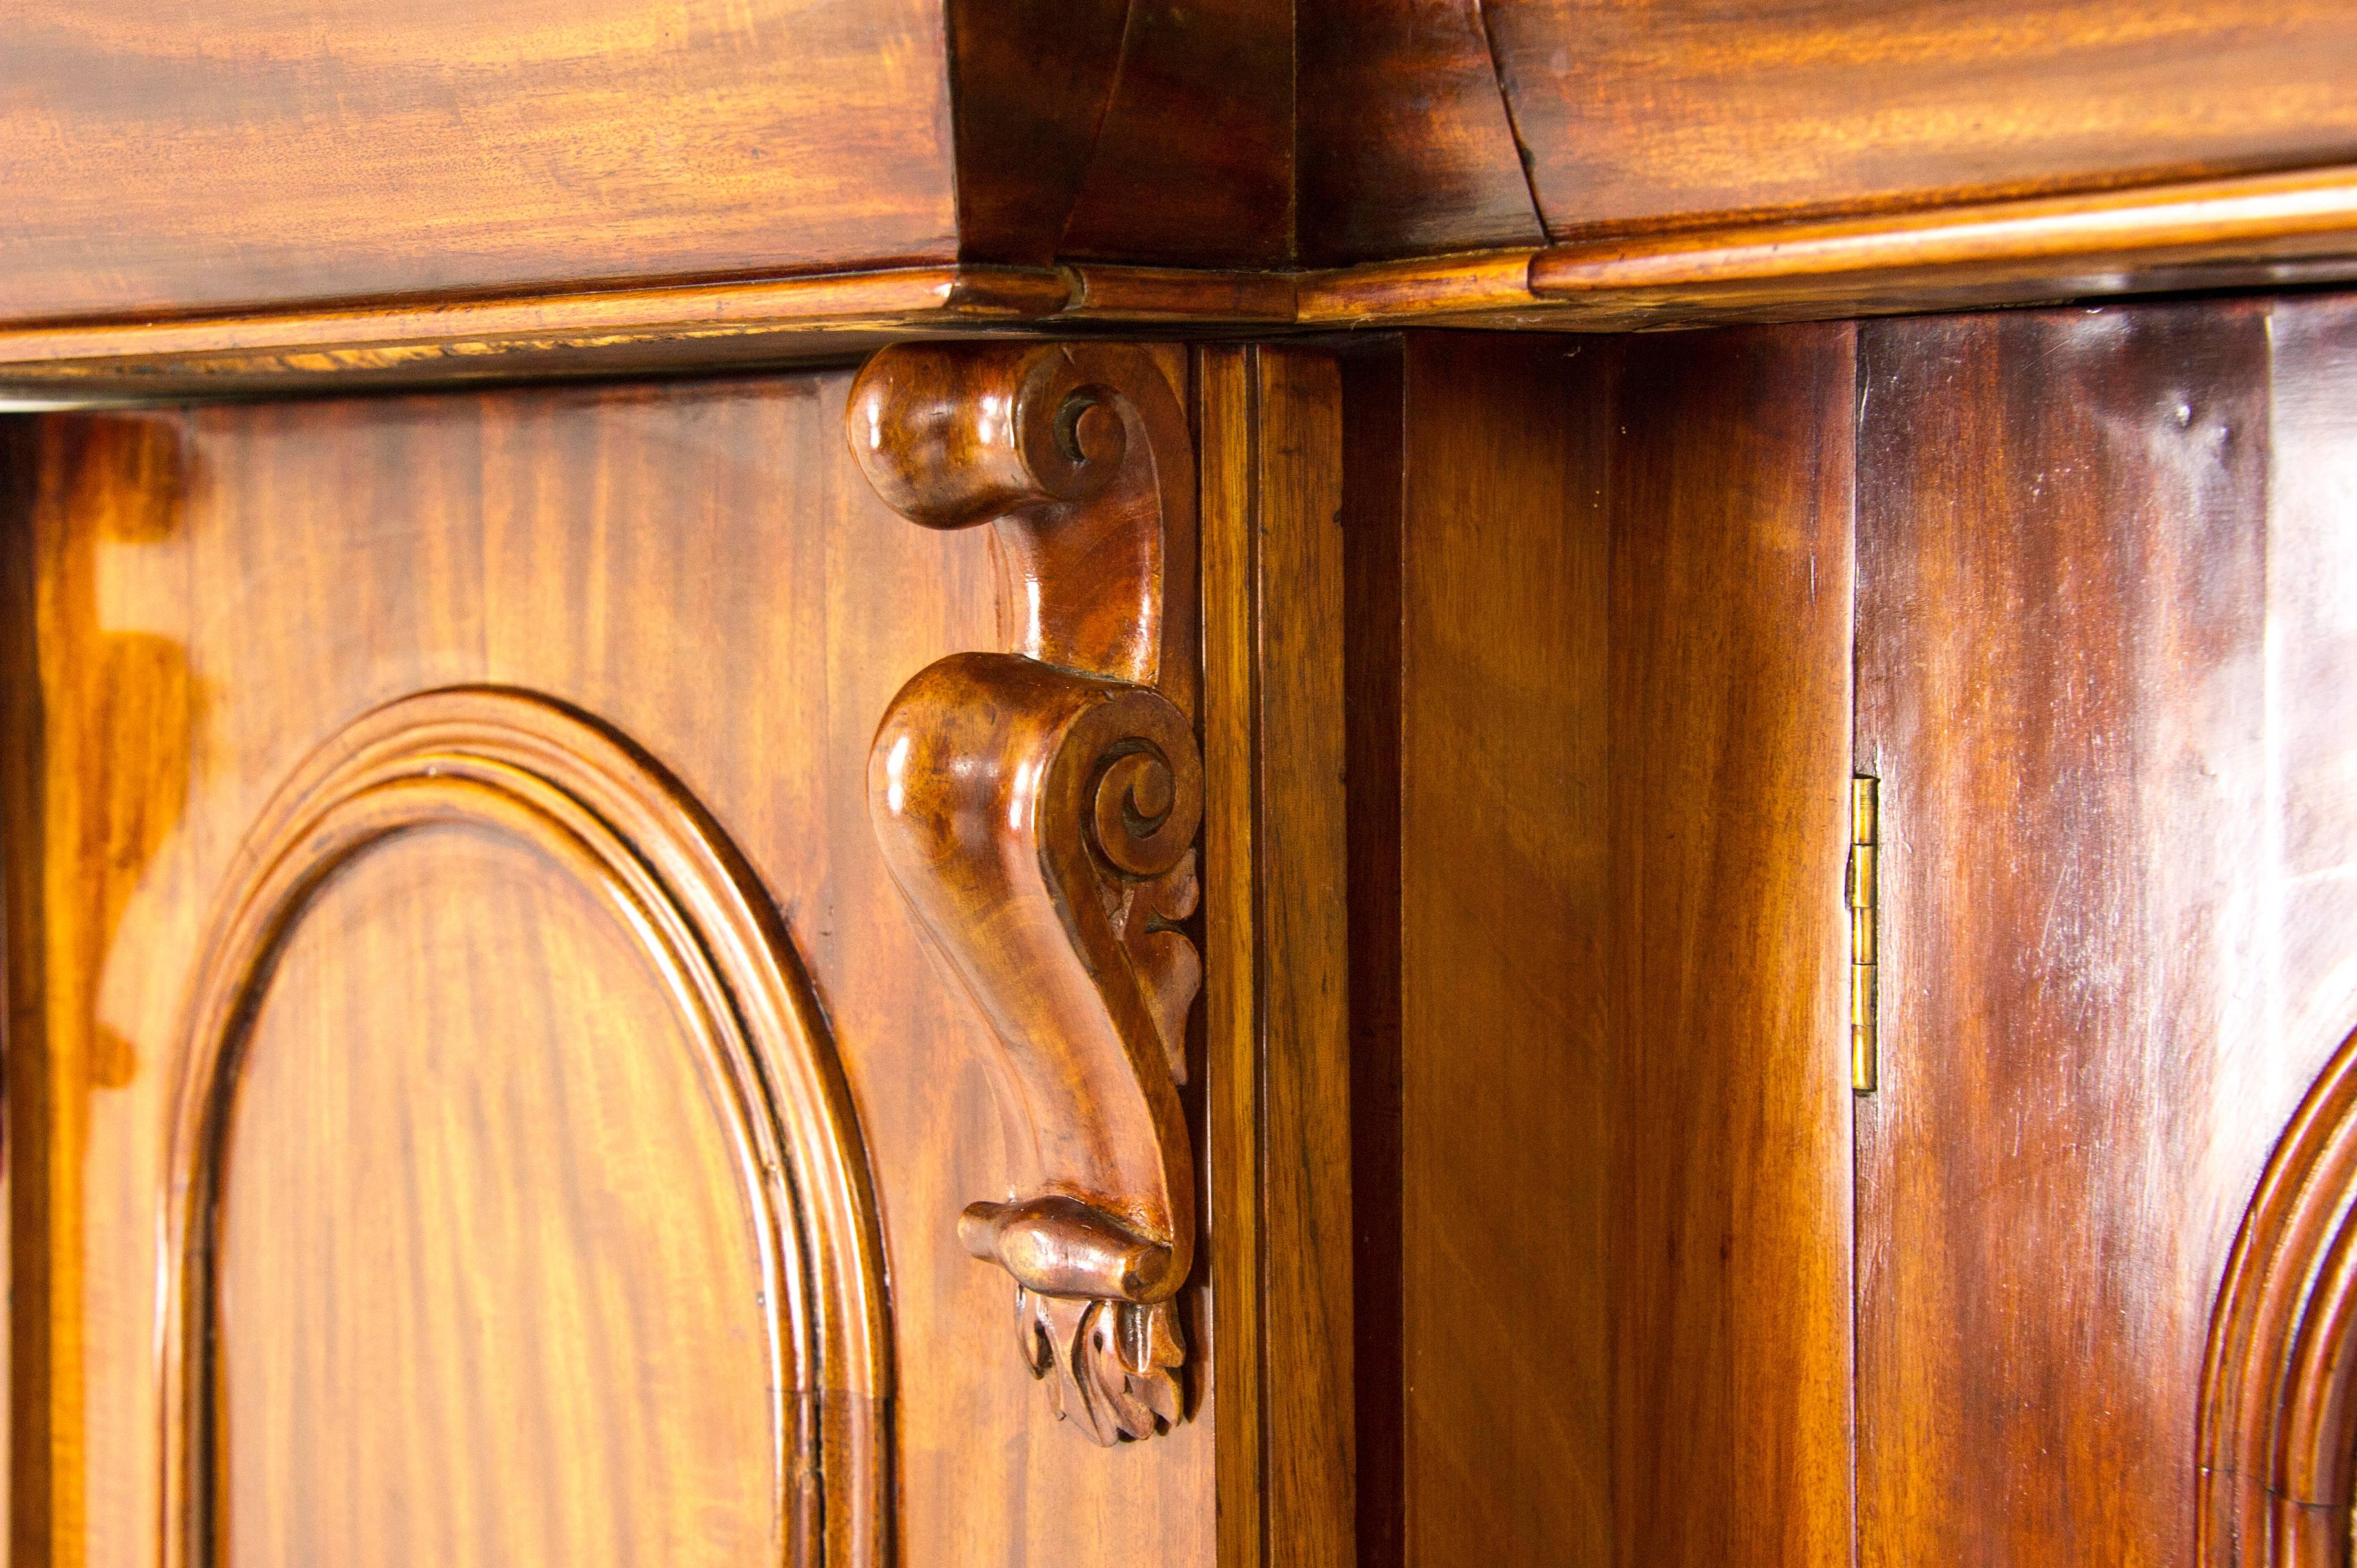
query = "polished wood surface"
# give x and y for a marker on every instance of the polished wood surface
(1192, 161)
(337, 152)
(2103, 636)
(324, 195)
(1406, 143)
(1039, 807)
(1645, 115)
(1283, 1203)
(1729, 700)
(2278, 1429)
(1620, 690)
(733, 1032)
(2254, 230)
(219, 593)
(343, 150)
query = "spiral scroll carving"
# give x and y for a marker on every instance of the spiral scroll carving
(1039, 807)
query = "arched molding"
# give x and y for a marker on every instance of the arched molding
(2278, 1424)
(533, 771)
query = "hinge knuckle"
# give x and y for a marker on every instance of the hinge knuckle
(1864, 891)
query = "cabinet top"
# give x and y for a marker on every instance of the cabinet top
(399, 189)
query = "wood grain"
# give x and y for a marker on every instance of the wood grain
(1225, 410)
(1624, 1104)
(1193, 160)
(726, 1041)
(570, 1174)
(2278, 1429)
(1506, 1073)
(701, 567)
(2258, 228)
(1405, 146)
(352, 153)
(1038, 806)
(1272, 425)
(2095, 619)
(350, 150)
(1729, 694)
(1670, 114)
(1303, 973)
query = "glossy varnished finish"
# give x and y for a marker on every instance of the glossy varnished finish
(1281, 1172)
(1641, 115)
(1623, 721)
(2102, 650)
(526, 861)
(1038, 808)
(2279, 1426)
(358, 149)
(701, 568)
(1728, 703)
(1406, 143)
(341, 152)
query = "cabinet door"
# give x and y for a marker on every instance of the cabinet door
(2107, 626)
(465, 1044)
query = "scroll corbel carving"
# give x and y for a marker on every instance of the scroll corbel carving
(1038, 807)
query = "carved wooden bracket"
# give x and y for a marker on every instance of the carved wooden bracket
(1038, 807)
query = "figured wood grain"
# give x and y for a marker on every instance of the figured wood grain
(733, 1033)
(704, 569)
(354, 152)
(1405, 146)
(1623, 709)
(503, 1086)
(1636, 116)
(2101, 622)
(1730, 490)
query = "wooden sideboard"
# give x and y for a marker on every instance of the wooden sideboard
(1380, 782)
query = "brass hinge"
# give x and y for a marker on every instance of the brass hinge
(1865, 899)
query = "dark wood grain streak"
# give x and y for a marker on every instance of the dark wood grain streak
(1373, 559)
(1404, 144)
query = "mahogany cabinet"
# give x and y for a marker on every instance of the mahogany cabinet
(875, 782)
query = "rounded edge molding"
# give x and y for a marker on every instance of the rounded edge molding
(2278, 1421)
(535, 770)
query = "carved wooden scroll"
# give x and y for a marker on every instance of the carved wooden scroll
(1039, 807)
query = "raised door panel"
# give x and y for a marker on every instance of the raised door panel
(489, 1290)
(690, 611)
